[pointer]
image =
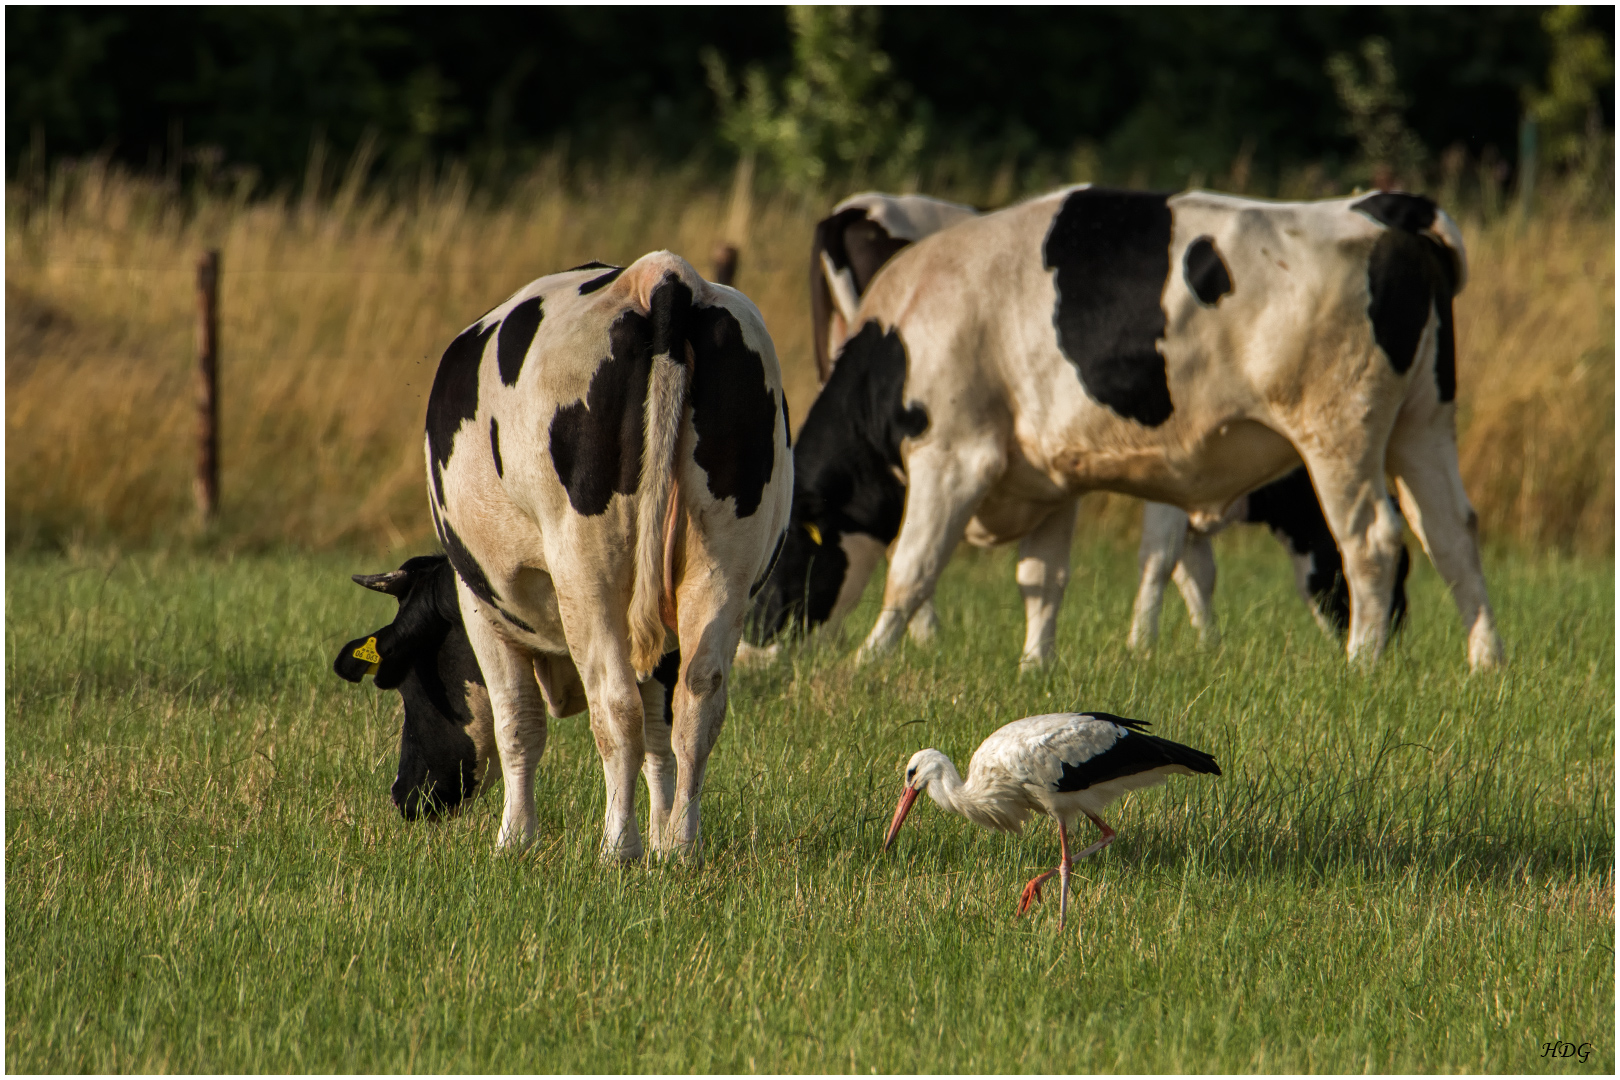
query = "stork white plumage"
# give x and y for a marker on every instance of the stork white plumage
(1061, 765)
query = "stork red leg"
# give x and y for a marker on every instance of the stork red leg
(1107, 837)
(1065, 866)
(1032, 891)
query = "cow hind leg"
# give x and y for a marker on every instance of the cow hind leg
(1368, 532)
(600, 645)
(710, 607)
(519, 721)
(658, 765)
(1043, 574)
(1437, 507)
(945, 487)
(1195, 578)
(1164, 536)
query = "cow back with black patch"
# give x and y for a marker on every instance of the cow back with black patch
(733, 410)
(1410, 272)
(596, 443)
(454, 397)
(1110, 253)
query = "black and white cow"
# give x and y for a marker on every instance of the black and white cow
(852, 244)
(608, 459)
(447, 738)
(1184, 349)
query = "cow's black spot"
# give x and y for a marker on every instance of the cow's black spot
(1400, 259)
(1401, 298)
(517, 333)
(1289, 507)
(601, 282)
(667, 673)
(733, 410)
(670, 309)
(1398, 210)
(596, 444)
(495, 446)
(1206, 271)
(454, 397)
(844, 481)
(853, 242)
(1133, 752)
(592, 265)
(1111, 254)
(466, 566)
(787, 422)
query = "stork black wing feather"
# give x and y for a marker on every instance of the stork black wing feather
(1133, 752)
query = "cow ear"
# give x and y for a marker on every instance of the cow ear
(394, 583)
(358, 658)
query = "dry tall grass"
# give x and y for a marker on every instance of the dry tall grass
(334, 312)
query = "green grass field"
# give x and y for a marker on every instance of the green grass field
(1407, 870)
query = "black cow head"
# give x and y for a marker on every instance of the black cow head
(800, 592)
(447, 741)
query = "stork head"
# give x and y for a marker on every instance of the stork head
(924, 767)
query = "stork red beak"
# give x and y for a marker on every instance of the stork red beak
(907, 797)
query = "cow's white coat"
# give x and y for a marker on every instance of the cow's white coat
(1285, 368)
(570, 577)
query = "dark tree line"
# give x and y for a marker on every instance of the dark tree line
(1183, 88)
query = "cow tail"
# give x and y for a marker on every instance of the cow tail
(652, 601)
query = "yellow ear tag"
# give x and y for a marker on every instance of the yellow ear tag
(815, 533)
(369, 652)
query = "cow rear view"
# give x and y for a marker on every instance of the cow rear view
(607, 461)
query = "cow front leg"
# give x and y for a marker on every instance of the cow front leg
(1368, 532)
(1164, 536)
(1437, 507)
(1195, 578)
(659, 765)
(944, 487)
(519, 714)
(1043, 574)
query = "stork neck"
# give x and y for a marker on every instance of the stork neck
(946, 789)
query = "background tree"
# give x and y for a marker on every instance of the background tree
(838, 110)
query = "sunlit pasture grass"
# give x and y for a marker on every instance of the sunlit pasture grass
(1408, 870)
(336, 305)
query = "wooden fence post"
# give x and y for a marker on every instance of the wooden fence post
(725, 264)
(207, 483)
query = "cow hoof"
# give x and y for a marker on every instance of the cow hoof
(1485, 653)
(620, 856)
(678, 854)
(1028, 663)
(506, 844)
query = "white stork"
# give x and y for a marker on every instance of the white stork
(1062, 765)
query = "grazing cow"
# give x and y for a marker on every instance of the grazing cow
(447, 740)
(1184, 349)
(849, 247)
(607, 458)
